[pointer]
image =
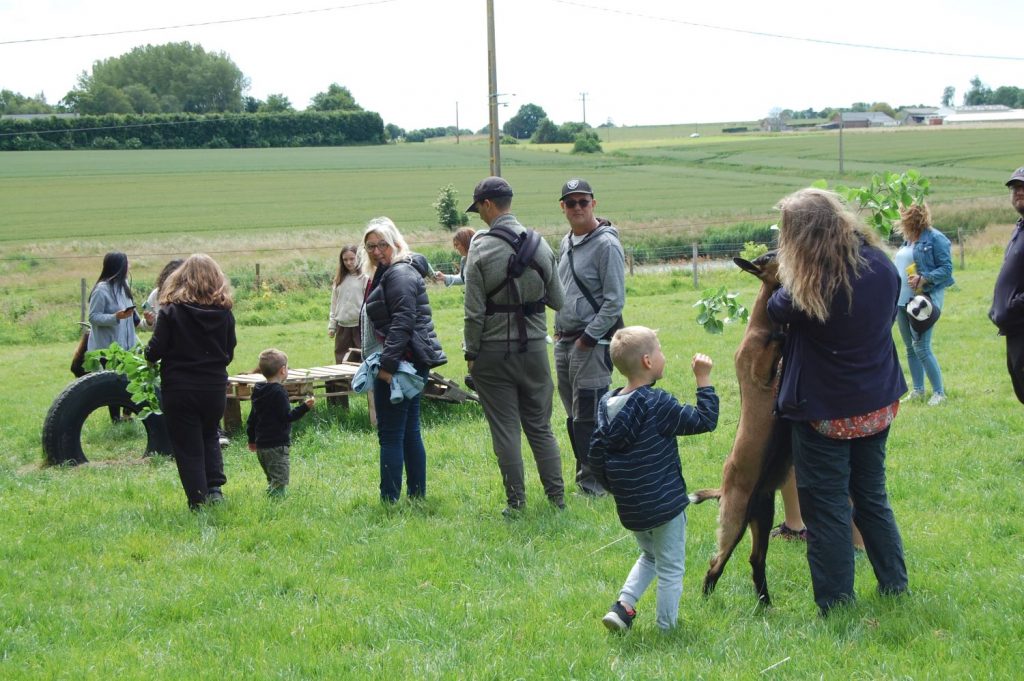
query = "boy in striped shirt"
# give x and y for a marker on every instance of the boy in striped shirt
(634, 455)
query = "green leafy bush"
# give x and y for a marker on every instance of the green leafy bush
(716, 308)
(143, 376)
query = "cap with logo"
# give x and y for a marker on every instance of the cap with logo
(576, 186)
(1018, 176)
(489, 188)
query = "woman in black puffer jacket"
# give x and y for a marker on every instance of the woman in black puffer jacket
(398, 324)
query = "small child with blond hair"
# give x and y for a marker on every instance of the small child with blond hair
(634, 455)
(270, 422)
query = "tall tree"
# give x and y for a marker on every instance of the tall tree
(17, 103)
(978, 94)
(178, 76)
(524, 123)
(276, 103)
(947, 95)
(337, 98)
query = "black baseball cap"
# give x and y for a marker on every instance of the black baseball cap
(576, 186)
(1018, 176)
(489, 188)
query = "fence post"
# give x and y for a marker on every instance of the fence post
(629, 259)
(960, 240)
(696, 280)
(257, 276)
(82, 305)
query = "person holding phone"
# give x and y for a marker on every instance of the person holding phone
(112, 316)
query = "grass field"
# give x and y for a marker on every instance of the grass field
(104, 573)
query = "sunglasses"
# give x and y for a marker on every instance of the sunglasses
(572, 203)
(379, 246)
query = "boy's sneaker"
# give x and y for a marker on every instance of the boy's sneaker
(618, 618)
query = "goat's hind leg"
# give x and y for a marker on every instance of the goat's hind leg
(732, 513)
(761, 519)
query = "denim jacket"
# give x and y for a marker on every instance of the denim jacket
(933, 260)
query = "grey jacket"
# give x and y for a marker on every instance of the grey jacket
(600, 264)
(104, 303)
(486, 268)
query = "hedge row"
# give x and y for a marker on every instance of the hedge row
(192, 131)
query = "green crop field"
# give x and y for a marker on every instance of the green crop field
(104, 196)
(104, 573)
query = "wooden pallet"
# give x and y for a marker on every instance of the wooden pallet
(330, 380)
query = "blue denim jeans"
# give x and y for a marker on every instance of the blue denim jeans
(919, 351)
(398, 432)
(662, 555)
(829, 473)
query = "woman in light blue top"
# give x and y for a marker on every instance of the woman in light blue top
(460, 240)
(928, 251)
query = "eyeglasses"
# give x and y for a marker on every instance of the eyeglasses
(379, 246)
(572, 203)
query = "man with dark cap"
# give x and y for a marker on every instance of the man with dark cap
(592, 269)
(1007, 311)
(505, 336)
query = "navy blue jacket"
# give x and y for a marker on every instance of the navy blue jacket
(847, 366)
(636, 457)
(270, 421)
(1007, 311)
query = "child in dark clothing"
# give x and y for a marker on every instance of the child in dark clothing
(270, 421)
(634, 455)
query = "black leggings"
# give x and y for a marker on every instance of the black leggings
(192, 420)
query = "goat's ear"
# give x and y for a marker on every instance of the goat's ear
(747, 266)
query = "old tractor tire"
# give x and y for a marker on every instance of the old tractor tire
(62, 427)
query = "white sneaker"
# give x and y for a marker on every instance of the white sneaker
(913, 396)
(936, 399)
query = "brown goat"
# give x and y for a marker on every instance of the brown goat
(761, 453)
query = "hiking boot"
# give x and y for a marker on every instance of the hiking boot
(512, 512)
(618, 618)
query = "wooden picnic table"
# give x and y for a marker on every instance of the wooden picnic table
(330, 380)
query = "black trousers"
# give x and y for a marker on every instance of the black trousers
(1015, 363)
(192, 420)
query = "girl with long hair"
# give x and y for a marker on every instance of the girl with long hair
(194, 340)
(347, 294)
(112, 315)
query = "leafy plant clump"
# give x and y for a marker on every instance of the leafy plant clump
(719, 307)
(143, 376)
(884, 197)
(448, 214)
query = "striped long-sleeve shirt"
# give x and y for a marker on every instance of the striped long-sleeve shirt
(635, 455)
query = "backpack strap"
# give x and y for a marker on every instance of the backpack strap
(512, 272)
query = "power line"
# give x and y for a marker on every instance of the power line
(198, 24)
(796, 38)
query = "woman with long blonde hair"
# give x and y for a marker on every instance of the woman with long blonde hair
(194, 340)
(925, 265)
(840, 388)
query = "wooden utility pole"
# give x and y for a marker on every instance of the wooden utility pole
(583, 98)
(492, 83)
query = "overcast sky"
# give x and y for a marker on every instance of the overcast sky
(640, 62)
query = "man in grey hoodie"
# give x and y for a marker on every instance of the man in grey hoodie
(591, 267)
(505, 335)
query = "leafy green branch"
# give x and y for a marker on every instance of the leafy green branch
(143, 377)
(718, 308)
(884, 197)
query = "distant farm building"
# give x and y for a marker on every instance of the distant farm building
(995, 113)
